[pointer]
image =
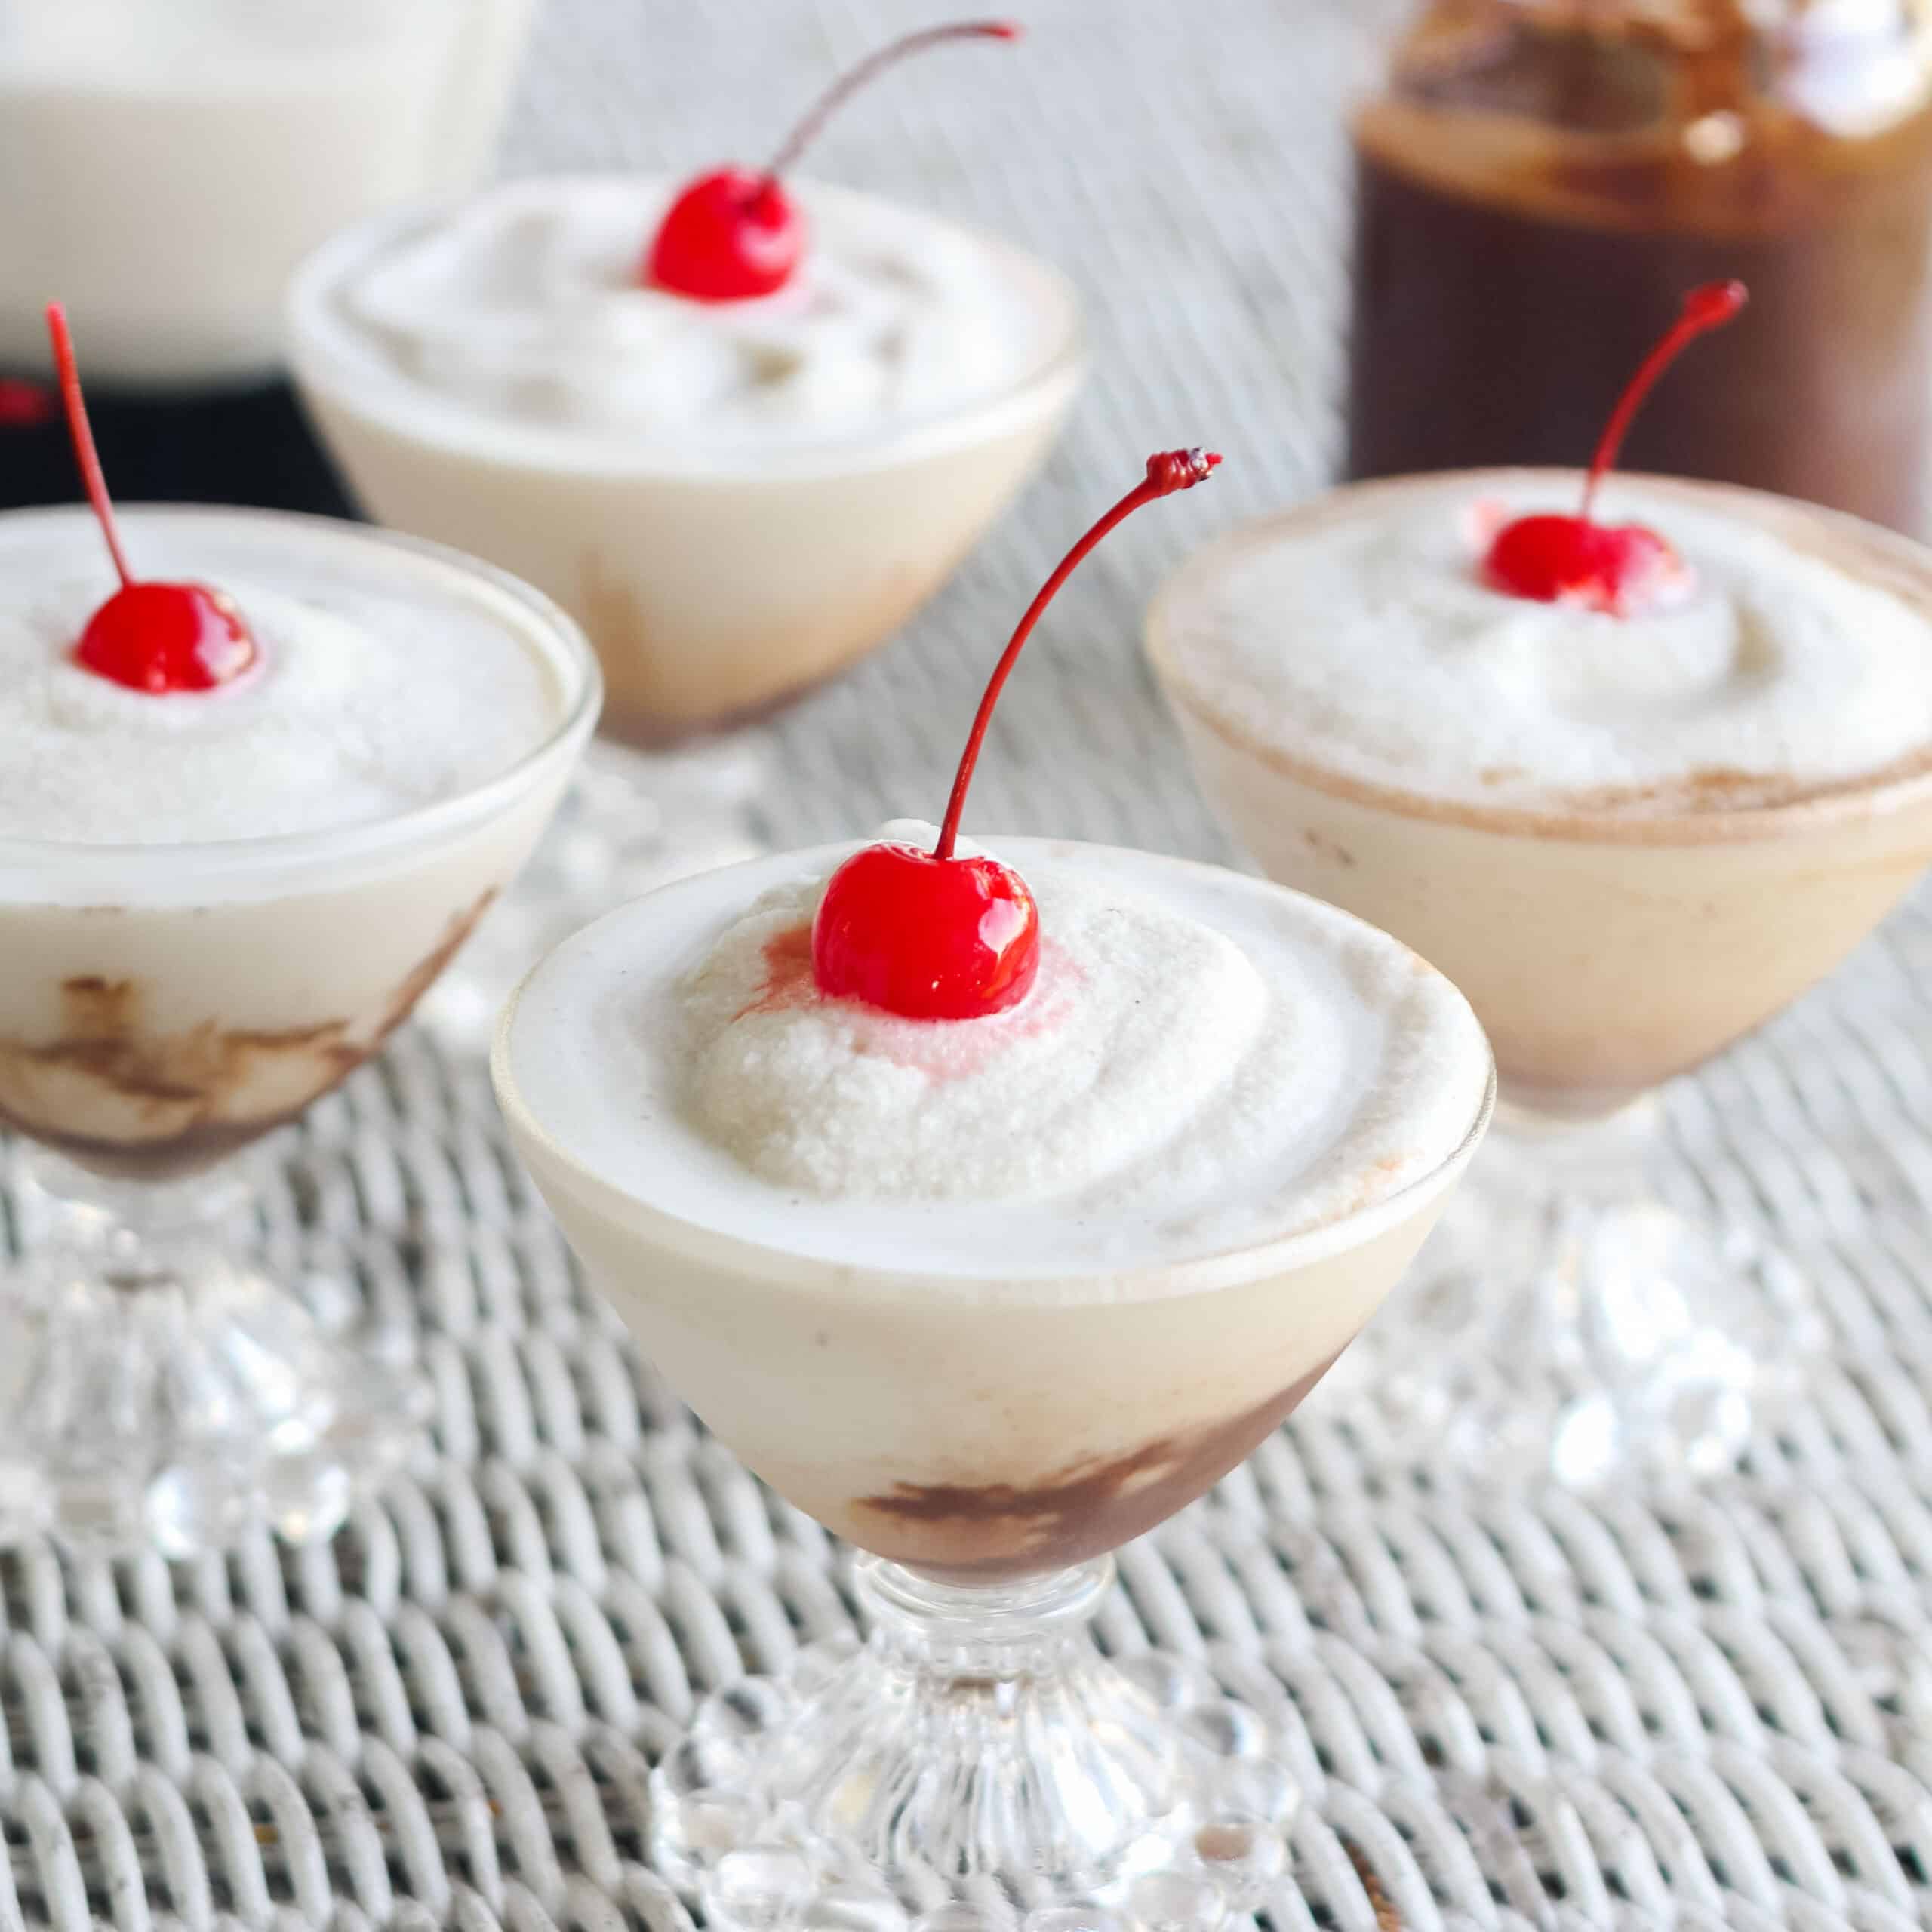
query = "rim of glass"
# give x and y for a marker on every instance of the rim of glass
(321, 358)
(1221, 1267)
(571, 655)
(1874, 795)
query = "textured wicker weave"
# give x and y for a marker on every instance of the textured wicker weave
(1696, 1708)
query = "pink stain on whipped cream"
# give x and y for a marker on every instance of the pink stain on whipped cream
(942, 1052)
(1139, 1019)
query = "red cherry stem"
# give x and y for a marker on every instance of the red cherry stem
(1708, 306)
(86, 454)
(842, 89)
(1168, 471)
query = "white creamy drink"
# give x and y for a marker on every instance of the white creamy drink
(213, 903)
(741, 425)
(1629, 838)
(736, 499)
(994, 1293)
(165, 164)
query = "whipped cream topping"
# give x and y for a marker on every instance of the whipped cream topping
(1204, 1062)
(1147, 1019)
(384, 682)
(1361, 637)
(525, 303)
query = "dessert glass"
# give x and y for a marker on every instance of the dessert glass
(1605, 953)
(985, 1444)
(714, 585)
(163, 1006)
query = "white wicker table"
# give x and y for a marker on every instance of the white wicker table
(1694, 1707)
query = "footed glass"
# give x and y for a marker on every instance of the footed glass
(1573, 1319)
(984, 1436)
(164, 1007)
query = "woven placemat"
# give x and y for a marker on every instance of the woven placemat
(1689, 1706)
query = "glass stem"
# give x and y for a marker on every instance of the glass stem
(1588, 1158)
(977, 1634)
(63, 1204)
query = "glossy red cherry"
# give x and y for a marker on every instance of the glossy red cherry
(734, 234)
(1616, 568)
(159, 637)
(1619, 568)
(932, 935)
(960, 936)
(167, 637)
(728, 237)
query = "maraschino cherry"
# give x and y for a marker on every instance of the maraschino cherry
(159, 637)
(735, 234)
(933, 935)
(1616, 568)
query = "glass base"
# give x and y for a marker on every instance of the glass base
(156, 1392)
(976, 1763)
(1567, 1322)
(631, 821)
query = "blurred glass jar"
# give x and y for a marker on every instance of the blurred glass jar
(165, 164)
(1539, 182)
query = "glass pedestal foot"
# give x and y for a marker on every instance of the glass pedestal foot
(156, 1391)
(976, 1763)
(1564, 1321)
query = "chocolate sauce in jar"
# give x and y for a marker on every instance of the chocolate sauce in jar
(1542, 181)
